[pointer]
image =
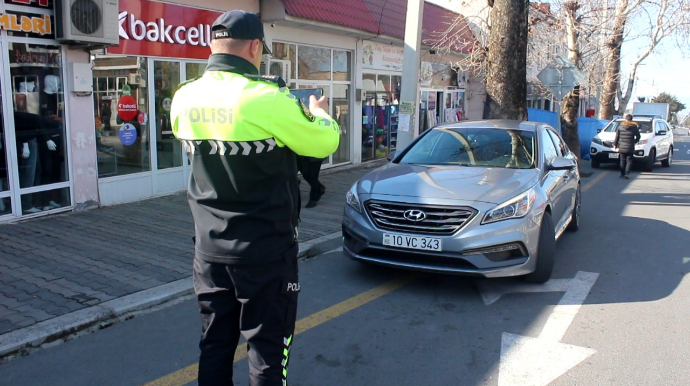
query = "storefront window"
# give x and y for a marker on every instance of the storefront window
(194, 70)
(122, 117)
(167, 78)
(323, 67)
(285, 51)
(314, 63)
(341, 65)
(5, 206)
(39, 122)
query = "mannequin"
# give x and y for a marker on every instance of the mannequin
(30, 130)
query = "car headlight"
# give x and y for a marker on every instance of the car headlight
(352, 199)
(642, 142)
(516, 208)
(596, 140)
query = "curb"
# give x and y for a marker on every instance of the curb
(69, 326)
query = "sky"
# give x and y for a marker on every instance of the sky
(664, 71)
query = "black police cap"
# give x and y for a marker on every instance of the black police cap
(238, 24)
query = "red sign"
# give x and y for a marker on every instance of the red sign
(151, 28)
(127, 108)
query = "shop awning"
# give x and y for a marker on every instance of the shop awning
(441, 27)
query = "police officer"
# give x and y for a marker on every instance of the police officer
(242, 133)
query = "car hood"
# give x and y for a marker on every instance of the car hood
(490, 185)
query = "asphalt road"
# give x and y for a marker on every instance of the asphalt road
(617, 313)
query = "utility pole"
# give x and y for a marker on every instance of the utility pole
(408, 118)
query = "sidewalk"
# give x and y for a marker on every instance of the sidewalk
(65, 274)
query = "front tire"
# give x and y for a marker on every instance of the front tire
(546, 252)
(669, 160)
(595, 164)
(575, 216)
(649, 162)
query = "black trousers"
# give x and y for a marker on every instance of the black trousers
(310, 169)
(258, 302)
(626, 163)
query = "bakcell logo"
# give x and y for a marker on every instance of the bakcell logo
(159, 31)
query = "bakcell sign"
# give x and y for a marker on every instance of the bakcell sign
(127, 108)
(150, 28)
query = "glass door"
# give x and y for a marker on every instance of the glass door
(5, 199)
(380, 115)
(166, 79)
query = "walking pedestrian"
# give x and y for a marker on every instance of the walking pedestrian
(311, 168)
(627, 136)
(242, 132)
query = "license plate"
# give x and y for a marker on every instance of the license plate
(413, 242)
(613, 155)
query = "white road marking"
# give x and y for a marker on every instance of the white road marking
(686, 260)
(527, 361)
(339, 249)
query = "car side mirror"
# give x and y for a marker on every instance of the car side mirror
(562, 163)
(391, 155)
(598, 130)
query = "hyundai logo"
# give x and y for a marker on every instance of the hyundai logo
(414, 215)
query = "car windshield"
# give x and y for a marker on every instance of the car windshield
(645, 126)
(474, 147)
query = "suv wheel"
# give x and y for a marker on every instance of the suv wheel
(669, 160)
(649, 161)
(595, 164)
(546, 252)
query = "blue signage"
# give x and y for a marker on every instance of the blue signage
(128, 134)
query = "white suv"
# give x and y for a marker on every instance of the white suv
(655, 145)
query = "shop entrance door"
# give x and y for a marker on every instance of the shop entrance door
(5, 199)
(380, 115)
(152, 162)
(169, 162)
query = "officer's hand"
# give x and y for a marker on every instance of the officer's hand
(321, 103)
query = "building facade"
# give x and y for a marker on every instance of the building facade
(63, 149)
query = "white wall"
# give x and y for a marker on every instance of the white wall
(83, 140)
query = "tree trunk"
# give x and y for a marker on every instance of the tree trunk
(607, 104)
(506, 84)
(570, 106)
(572, 35)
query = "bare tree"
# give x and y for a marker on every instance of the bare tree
(650, 21)
(506, 84)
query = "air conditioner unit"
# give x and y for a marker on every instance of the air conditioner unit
(87, 22)
(135, 79)
(282, 68)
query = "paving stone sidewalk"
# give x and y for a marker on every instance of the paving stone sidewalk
(56, 265)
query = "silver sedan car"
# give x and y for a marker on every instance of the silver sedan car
(485, 198)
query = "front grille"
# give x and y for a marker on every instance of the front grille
(608, 144)
(437, 220)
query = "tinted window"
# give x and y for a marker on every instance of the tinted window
(474, 147)
(548, 148)
(645, 126)
(560, 145)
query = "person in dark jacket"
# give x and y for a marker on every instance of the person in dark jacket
(627, 136)
(311, 168)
